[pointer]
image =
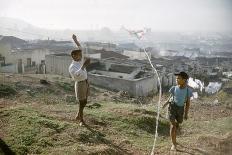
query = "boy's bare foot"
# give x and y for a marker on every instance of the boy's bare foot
(173, 148)
(82, 123)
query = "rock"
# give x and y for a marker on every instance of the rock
(9, 76)
(124, 94)
(105, 94)
(42, 81)
(216, 102)
(30, 92)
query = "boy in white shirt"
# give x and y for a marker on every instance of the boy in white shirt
(77, 70)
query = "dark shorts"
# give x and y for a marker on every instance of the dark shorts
(175, 113)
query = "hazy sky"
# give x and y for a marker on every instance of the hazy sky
(164, 15)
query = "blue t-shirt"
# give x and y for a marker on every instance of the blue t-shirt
(180, 95)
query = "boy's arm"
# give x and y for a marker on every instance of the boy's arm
(166, 103)
(86, 63)
(76, 41)
(87, 60)
(186, 110)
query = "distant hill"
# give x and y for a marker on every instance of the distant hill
(220, 42)
(20, 29)
(24, 30)
(13, 41)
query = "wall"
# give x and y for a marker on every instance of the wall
(13, 56)
(136, 55)
(35, 55)
(30, 70)
(146, 85)
(138, 87)
(114, 74)
(58, 64)
(120, 68)
(5, 51)
(9, 68)
(111, 83)
(94, 56)
(171, 79)
(99, 46)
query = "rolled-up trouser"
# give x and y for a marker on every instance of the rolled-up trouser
(82, 89)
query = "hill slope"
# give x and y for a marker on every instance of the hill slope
(40, 119)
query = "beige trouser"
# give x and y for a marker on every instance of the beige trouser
(82, 89)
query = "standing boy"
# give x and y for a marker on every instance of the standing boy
(179, 106)
(77, 70)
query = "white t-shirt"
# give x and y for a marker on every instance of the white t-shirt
(76, 72)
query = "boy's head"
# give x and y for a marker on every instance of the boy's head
(76, 55)
(181, 78)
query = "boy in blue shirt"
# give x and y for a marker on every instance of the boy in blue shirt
(179, 106)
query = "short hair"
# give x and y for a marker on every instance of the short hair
(183, 75)
(75, 51)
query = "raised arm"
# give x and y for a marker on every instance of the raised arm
(76, 41)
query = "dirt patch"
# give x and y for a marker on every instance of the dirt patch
(93, 121)
(7, 103)
(209, 112)
(124, 112)
(215, 145)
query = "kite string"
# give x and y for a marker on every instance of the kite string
(158, 111)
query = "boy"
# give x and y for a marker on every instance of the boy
(77, 70)
(179, 107)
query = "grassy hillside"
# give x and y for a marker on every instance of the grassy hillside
(39, 119)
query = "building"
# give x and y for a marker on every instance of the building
(19, 56)
(100, 46)
(136, 55)
(111, 73)
(104, 54)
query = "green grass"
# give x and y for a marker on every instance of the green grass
(29, 130)
(66, 86)
(7, 90)
(43, 125)
(32, 131)
(137, 125)
(112, 127)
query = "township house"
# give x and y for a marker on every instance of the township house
(20, 56)
(109, 67)
(114, 72)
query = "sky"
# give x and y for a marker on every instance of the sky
(159, 15)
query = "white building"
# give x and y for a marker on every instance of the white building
(136, 55)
